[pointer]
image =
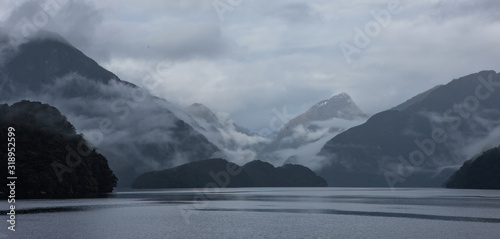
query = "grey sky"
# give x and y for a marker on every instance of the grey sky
(268, 55)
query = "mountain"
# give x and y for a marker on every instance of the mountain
(481, 172)
(299, 140)
(109, 112)
(415, 99)
(220, 173)
(51, 159)
(205, 116)
(421, 144)
(339, 106)
(234, 141)
(40, 62)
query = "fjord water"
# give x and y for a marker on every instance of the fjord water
(264, 213)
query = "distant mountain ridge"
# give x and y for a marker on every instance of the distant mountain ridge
(219, 172)
(427, 139)
(234, 141)
(300, 139)
(202, 113)
(338, 106)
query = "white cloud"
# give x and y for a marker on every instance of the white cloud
(267, 55)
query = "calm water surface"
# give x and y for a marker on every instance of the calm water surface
(264, 213)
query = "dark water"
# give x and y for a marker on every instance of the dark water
(264, 213)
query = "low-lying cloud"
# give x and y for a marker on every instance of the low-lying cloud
(266, 55)
(304, 142)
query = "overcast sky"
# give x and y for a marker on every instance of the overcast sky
(248, 58)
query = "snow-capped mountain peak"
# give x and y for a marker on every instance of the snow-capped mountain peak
(338, 106)
(302, 137)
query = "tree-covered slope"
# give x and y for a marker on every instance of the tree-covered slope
(51, 159)
(221, 173)
(482, 172)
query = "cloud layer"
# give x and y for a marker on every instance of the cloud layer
(267, 55)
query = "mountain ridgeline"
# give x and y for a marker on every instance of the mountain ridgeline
(221, 173)
(339, 106)
(422, 143)
(234, 141)
(51, 160)
(109, 112)
(418, 143)
(299, 140)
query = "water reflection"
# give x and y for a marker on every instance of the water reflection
(260, 212)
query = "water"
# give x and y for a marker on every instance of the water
(264, 213)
